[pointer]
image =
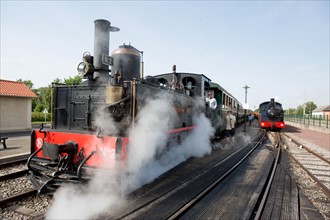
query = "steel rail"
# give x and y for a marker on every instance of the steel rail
(270, 181)
(10, 161)
(17, 197)
(193, 201)
(14, 174)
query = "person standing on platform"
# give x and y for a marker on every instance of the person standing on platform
(230, 127)
(251, 117)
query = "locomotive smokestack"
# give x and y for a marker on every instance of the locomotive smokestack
(272, 102)
(101, 48)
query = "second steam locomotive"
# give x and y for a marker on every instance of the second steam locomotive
(271, 115)
(92, 122)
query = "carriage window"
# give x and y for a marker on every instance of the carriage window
(189, 85)
(163, 82)
(224, 100)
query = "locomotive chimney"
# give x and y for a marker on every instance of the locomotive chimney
(272, 102)
(101, 48)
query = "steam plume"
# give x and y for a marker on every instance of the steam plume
(147, 140)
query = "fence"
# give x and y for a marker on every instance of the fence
(316, 121)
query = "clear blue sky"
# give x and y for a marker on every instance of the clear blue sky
(278, 48)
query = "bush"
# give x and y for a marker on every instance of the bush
(40, 117)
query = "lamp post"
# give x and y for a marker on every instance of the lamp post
(246, 88)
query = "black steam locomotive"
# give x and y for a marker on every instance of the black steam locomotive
(92, 121)
(271, 115)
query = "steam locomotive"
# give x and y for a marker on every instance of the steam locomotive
(91, 122)
(271, 115)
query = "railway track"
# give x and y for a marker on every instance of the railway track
(13, 168)
(260, 208)
(185, 208)
(256, 186)
(15, 174)
(14, 184)
(11, 161)
(309, 167)
(18, 197)
(312, 162)
(187, 189)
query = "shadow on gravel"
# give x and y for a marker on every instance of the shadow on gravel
(291, 129)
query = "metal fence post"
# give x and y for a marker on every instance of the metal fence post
(308, 119)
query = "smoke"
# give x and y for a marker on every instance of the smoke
(144, 168)
(105, 123)
(149, 135)
(198, 142)
(242, 137)
(74, 202)
(239, 139)
(148, 157)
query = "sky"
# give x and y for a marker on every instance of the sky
(280, 49)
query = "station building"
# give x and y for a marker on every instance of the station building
(15, 106)
(322, 111)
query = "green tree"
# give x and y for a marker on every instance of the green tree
(28, 83)
(57, 81)
(290, 111)
(73, 80)
(310, 106)
(44, 93)
(43, 100)
(300, 110)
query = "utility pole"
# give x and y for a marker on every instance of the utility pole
(246, 88)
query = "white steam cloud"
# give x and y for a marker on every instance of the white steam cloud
(147, 140)
(149, 135)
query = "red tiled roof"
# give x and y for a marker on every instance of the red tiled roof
(17, 89)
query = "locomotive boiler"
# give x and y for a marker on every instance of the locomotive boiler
(92, 121)
(271, 115)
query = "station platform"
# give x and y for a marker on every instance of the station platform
(18, 142)
(309, 137)
(16, 146)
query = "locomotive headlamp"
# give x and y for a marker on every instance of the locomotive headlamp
(86, 68)
(83, 68)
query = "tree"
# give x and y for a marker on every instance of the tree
(28, 83)
(43, 100)
(310, 106)
(300, 109)
(290, 111)
(73, 80)
(57, 81)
